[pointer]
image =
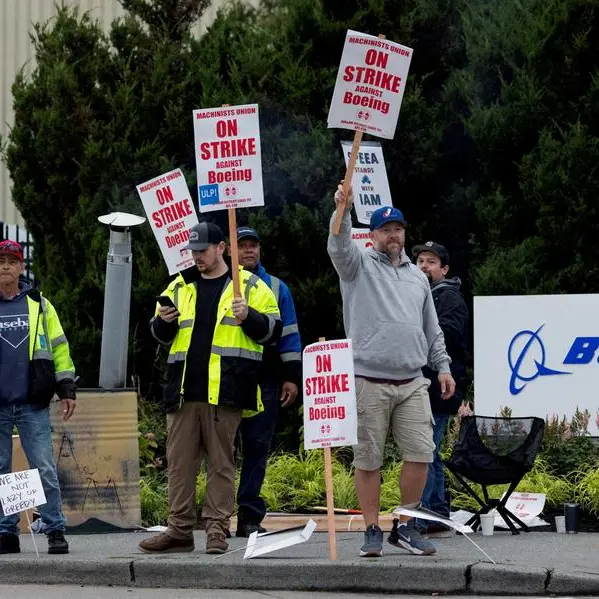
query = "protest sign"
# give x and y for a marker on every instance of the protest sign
(370, 85)
(369, 179)
(171, 214)
(228, 157)
(362, 238)
(330, 414)
(20, 491)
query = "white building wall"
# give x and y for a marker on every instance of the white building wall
(16, 50)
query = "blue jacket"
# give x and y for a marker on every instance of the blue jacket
(282, 362)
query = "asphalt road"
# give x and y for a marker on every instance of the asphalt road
(77, 592)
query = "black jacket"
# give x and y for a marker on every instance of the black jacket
(453, 319)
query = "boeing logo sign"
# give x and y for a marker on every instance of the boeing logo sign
(537, 355)
(526, 357)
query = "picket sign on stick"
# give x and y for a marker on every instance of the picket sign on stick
(22, 491)
(330, 413)
(349, 171)
(328, 481)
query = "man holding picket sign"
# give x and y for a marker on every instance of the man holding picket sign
(216, 322)
(390, 316)
(387, 305)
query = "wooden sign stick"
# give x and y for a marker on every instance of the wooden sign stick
(234, 251)
(328, 481)
(349, 171)
(234, 248)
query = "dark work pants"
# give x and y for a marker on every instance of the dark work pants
(255, 436)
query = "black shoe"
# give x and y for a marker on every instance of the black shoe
(57, 544)
(245, 530)
(9, 543)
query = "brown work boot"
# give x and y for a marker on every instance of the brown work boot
(216, 543)
(164, 543)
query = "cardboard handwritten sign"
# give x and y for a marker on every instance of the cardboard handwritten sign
(330, 413)
(228, 157)
(20, 491)
(370, 85)
(171, 214)
(369, 180)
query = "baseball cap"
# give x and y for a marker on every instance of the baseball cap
(202, 235)
(13, 248)
(247, 233)
(386, 214)
(435, 248)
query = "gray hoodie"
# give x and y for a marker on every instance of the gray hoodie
(388, 311)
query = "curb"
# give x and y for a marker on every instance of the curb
(297, 575)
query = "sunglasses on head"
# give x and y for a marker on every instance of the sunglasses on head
(10, 246)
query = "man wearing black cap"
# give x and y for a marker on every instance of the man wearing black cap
(388, 313)
(279, 382)
(433, 260)
(216, 343)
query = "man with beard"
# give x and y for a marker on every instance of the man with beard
(389, 314)
(216, 343)
(433, 260)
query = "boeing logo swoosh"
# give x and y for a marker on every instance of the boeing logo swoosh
(518, 362)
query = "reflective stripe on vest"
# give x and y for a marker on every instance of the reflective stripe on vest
(275, 286)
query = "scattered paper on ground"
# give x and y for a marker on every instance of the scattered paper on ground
(267, 542)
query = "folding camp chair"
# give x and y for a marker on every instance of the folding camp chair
(495, 451)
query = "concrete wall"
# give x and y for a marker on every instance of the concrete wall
(16, 23)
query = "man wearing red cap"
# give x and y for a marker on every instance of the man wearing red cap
(35, 363)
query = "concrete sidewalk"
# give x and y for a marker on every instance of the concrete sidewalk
(536, 563)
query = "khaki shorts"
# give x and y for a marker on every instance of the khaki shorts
(406, 409)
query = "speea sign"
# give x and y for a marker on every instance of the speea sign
(538, 355)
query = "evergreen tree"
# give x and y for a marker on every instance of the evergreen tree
(104, 112)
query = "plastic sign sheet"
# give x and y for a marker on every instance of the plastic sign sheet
(370, 85)
(362, 238)
(330, 414)
(228, 157)
(171, 214)
(369, 181)
(537, 355)
(20, 491)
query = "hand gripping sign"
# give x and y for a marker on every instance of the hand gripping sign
(171, 214)
(330, 413)
(369, 179)
(368, 93)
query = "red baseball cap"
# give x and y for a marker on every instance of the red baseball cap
(13, 248)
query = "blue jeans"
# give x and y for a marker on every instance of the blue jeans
(256, 435)
(433, 496)
(36, 439)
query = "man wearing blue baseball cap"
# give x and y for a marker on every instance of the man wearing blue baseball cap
(389, 314)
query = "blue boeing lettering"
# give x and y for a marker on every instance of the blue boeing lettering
(582, 351)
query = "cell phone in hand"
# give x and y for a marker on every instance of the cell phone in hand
(165, 301)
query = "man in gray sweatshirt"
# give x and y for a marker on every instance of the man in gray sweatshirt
(389, 314)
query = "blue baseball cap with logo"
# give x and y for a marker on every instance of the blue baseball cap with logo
(247, 233)
(384, 215)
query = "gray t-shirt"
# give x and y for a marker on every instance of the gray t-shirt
(14, 350)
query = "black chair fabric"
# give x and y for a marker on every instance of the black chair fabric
(492, 451)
